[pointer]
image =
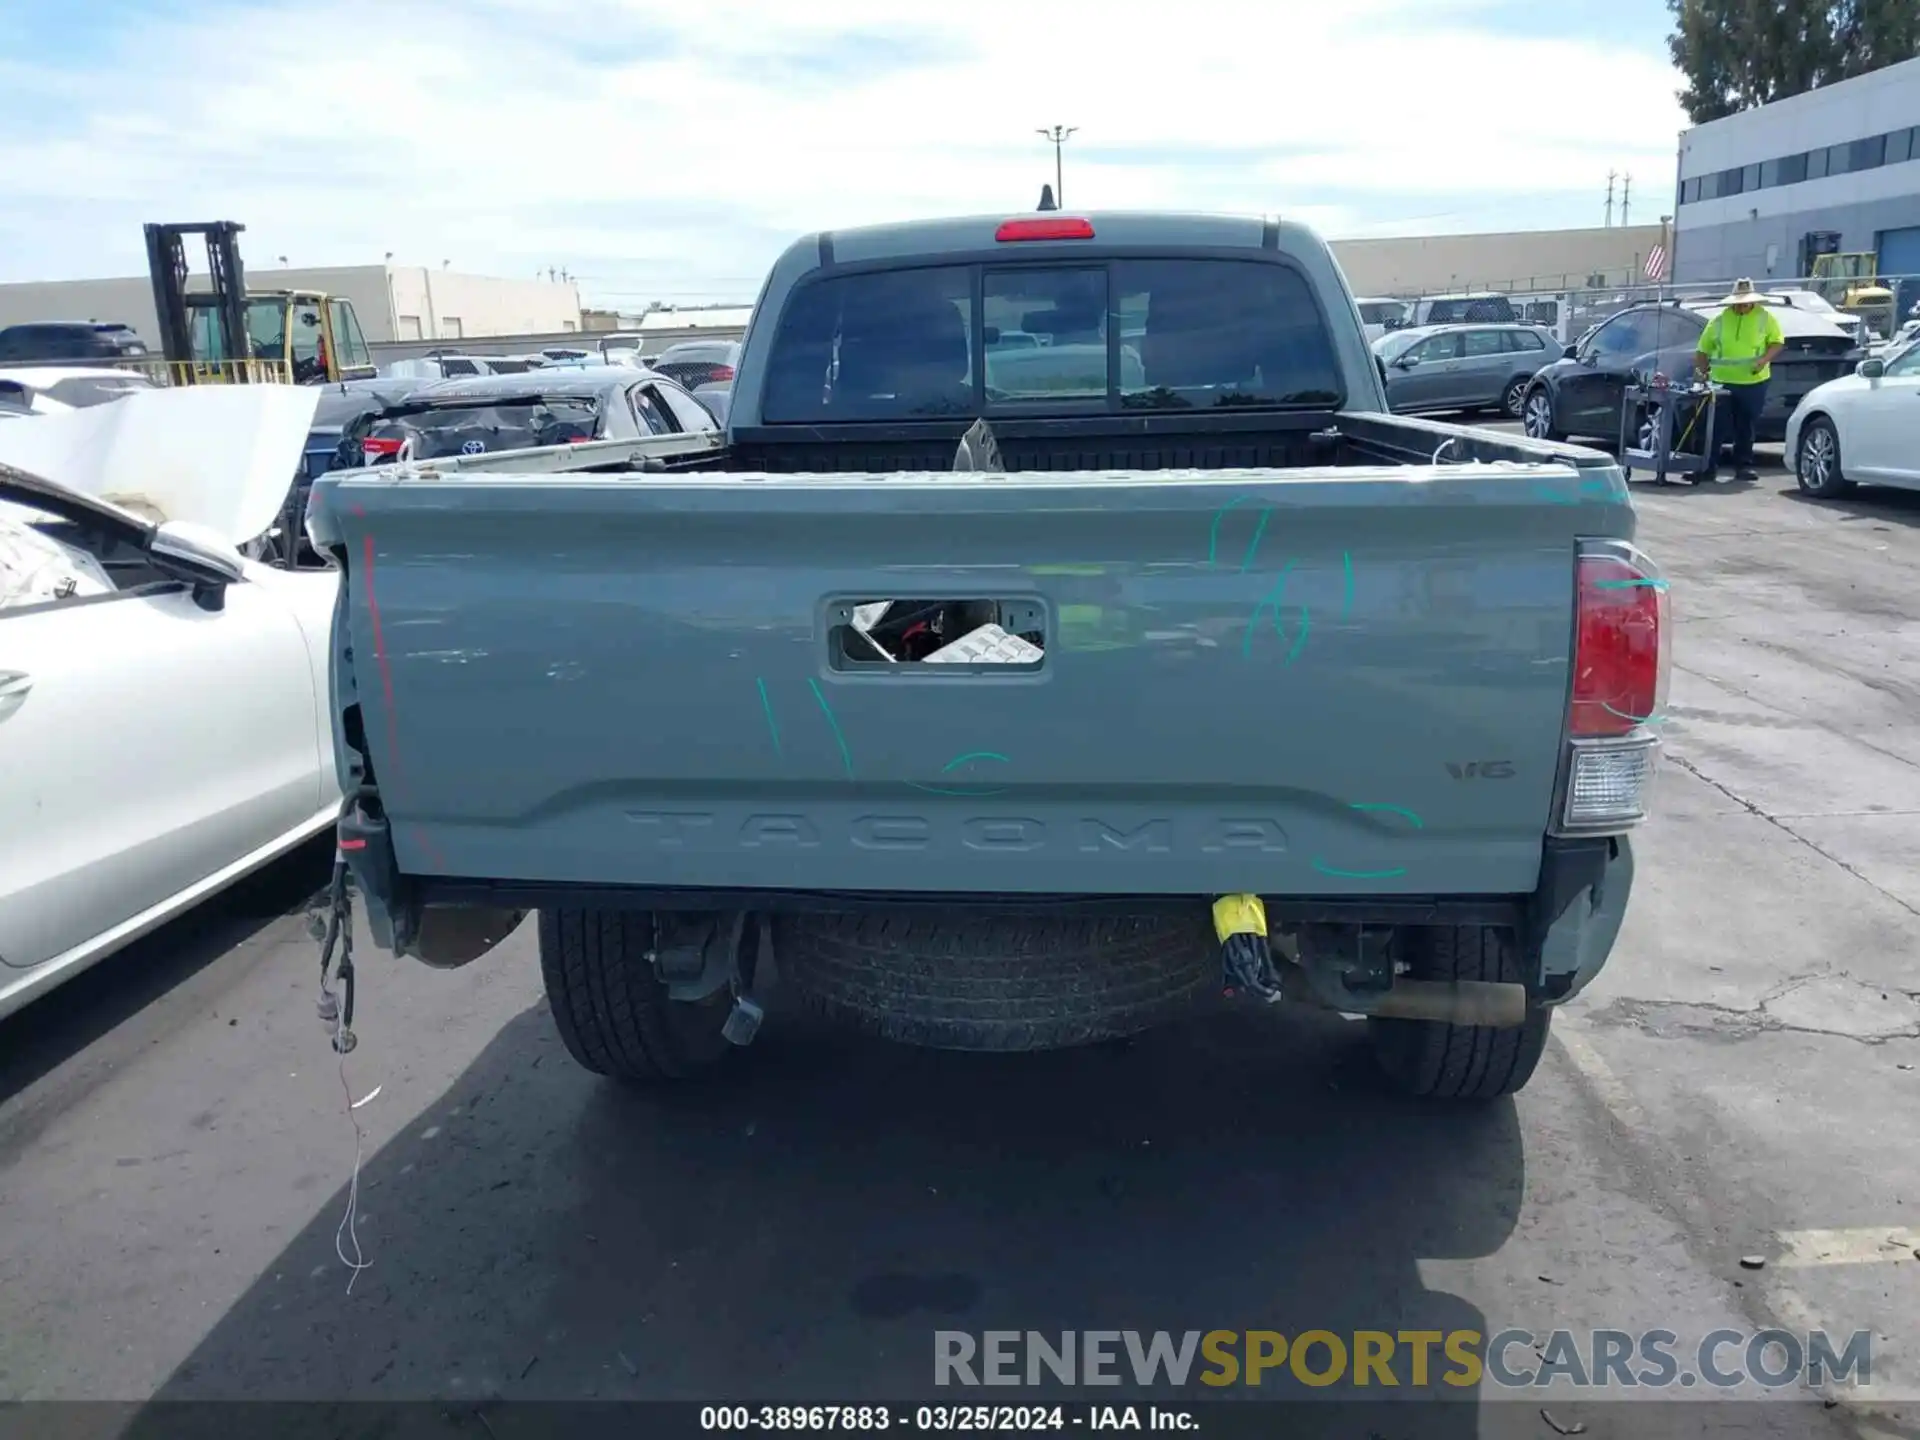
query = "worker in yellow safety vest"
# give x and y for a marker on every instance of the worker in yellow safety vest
(1737, 350)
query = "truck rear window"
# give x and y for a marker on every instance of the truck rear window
(947, 340)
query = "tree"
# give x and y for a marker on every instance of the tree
(1736, 54)
(1877, 33)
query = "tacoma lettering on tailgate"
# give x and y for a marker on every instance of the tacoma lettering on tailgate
(681, 830)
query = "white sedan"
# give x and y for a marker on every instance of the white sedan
(164, 726)
(1863, 427)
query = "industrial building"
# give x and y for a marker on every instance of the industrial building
(1834, 170)
(1520, 261)
(393, 302)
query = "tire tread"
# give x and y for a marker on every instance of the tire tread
(1462, 1062)
(613, 1014)
(996, 982)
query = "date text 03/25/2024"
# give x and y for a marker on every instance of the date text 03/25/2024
(963, 1418)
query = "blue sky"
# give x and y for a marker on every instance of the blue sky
(668, 150)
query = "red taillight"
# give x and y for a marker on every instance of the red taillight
(1619, 651)
(720, 372)
(1053, 227)
(378, 449)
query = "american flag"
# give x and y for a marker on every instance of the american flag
(1657, 263)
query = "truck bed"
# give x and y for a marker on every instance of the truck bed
(1296, 660)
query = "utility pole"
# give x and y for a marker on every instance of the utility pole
(1058, 134)
(1626, 198)
(1610, 177)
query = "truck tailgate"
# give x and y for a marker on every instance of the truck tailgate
(1318, 682)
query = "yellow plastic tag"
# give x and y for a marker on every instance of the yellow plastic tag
(1239, 915)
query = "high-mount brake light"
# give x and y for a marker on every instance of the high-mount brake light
(1621, 658)
(1053, 227)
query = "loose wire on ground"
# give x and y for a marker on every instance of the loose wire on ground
(348, 1231)
(336, 1010)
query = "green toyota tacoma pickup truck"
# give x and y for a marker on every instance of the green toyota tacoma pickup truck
(1203, 673)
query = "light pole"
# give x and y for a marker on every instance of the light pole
(1058, 135)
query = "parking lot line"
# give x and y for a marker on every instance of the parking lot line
(1861, 1245)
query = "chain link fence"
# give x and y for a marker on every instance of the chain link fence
(1884, 303)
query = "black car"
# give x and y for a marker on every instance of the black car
(340, 405)
(1584, 394)
(69, 340)
(694, 363)
(517, 412)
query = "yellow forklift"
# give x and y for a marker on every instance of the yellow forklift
(228, 335)
(1849, 281)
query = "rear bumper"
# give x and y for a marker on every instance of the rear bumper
(1781, 403)
(1791, 384)
(1566, 926)
(1594, 879)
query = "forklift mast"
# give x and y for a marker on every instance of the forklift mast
(167, 267)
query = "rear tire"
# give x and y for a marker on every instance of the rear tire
(1432, 1059)
(997, 982)
(1817, 465)
(1514, 397)
(613, 1014)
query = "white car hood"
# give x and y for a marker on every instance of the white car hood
(222, 456)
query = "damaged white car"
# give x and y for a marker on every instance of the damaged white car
(164, 725)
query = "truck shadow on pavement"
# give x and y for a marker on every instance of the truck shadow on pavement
(800, 1229)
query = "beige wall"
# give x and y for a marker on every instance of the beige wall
(447, 305)
(130, 302)
(1520, 260)
(484, 305)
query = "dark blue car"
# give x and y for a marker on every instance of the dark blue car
(340, 406)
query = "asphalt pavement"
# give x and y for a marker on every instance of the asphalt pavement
(176, 1143)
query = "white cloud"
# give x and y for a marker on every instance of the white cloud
(655, 148)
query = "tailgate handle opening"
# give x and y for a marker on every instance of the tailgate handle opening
(932, 636)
